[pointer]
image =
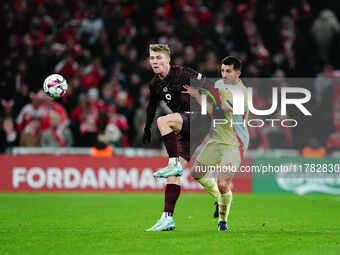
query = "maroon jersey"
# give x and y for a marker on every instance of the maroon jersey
(170, 90)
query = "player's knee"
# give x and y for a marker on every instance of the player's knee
(223, 186)
(161, 121)
(175, 122)
(171, 120)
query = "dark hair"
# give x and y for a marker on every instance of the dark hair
(230, 60)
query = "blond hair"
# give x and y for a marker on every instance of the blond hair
(164, 48)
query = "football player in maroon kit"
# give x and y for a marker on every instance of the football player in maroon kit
(167, 85)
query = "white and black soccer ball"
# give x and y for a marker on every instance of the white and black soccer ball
(55, 86)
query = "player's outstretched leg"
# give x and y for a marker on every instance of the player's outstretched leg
(169, 126)
(172, 192)
(201, 174)
(166, 222)
(206, 162)
(224, 202)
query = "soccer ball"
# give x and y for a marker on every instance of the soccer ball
(55, 86)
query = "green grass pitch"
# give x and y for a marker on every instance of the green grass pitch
(90, 223)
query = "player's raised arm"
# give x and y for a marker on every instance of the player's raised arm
(193, 92)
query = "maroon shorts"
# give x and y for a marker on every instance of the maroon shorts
(190, 136)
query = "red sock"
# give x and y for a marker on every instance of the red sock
(170, 142)
(172, 192)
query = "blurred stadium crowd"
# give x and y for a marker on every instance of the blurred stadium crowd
(101, 48)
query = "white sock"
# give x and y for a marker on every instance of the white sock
(210, 185)
(174, 161)
(166, 215)
(224, 204)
